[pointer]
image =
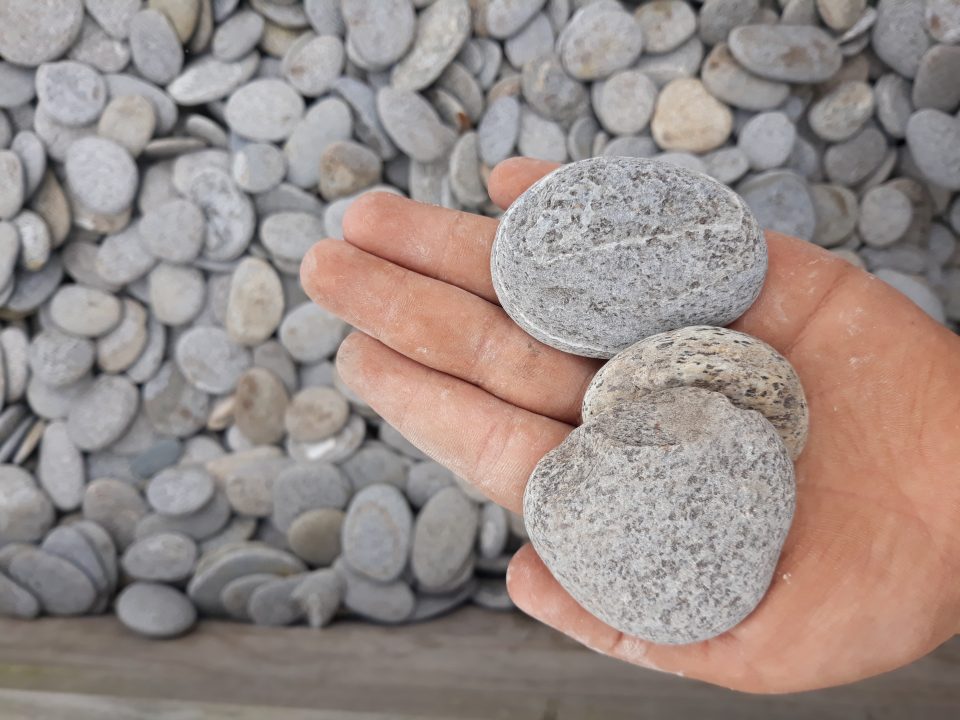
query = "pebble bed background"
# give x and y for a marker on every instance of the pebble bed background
(172, 424)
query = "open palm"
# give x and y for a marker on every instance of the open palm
(869, 578)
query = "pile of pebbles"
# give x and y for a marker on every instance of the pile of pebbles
(171, 421)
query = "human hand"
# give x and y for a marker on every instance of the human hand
(868, 577)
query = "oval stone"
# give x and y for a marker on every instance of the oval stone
(443, 539)
(156, 611)
(376, 532)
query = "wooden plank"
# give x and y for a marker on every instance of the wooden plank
(473, 664)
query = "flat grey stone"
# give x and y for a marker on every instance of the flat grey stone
(155, 47)
(264, 110)
(58, 359)
(235, 596)
(155, 611)
(346, 168)
(498, 130)
(68, 543)
(624, 102)
(261, 402)
(314, 536)
(255, 303)
(727, 165)
(250, 488)
(630, 146)
(781, 201)
(319, 595)
(666, 24)
(14, 348)
(599, 40)
(210, 360)
(73, 93)
(373, 464)
(60, 469)
(369, 129)
(307, 486)
(442, 29)
(646, 188)
(934, 140)
(852, 161)
(208, 79)
(623, 455)
(413, 124)
(32, 289)
(28, 146)
(61, 587)
(147, 365)
(160, 455)
(34, 32)
(943, 20)
(179, 491)
(16, 601)
(381, 602)
(380, 34)
(377, 532)
(173, 231)
(11, 184)
(443, 538)
(116, 506)
(899, 35)
(164, 557)
(272, 603)
(767, 140)
(935, 85)
(315, 414)
(35, 241)
(837, 210)
(718, 17)
(17, 85)
(231, 219)
(465, 178)
(209, 520)
(122, 346)
(238, 35)
(842, 112)
(214, 573)
(424, 480)
(310, 333)
(54, 403)
(503, 18)
(684, 62)
(788, 53)
(258, 167)
(104, 547)
(312, 64)
(25, 512)
(96, 48)
(433, 606)
(550, 91)
(885, 215)
(493, 531)
(540, 138)
(102, 413)
(325, 122)
(176, 293)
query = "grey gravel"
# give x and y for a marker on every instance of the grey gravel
(627, 456)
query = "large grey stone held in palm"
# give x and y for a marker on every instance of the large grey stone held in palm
(665, 519)
(604, 252)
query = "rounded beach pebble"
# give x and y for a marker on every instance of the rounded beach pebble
(604, 252)
(685, 470)
(749, 372)
(157, 611)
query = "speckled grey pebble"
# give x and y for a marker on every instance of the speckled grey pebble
(781, 201)
(154, 610)
(749, 372)
(61, 587)
(553, 291)
(550, 91)
(73, 93)
(641, 457)
(788, 53)
(377, 532)
(101, 414)
(443, 538)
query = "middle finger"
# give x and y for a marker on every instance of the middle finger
(447, 329)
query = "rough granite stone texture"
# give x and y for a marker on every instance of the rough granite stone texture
(665, 519)
(749, 372)
(604, 252)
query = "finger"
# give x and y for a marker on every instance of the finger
(445, 244)
(447, 329)
(488, 442)
(512, 177)
(537, 593)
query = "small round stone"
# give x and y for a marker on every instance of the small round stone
(261, 401)
(788, 53)
(258, 167)
(885, 215)
(376, 532)
(272, 604)
(837, 211)
(307, 486)
(552, 290)
(550, 91)
(767, 140)
(900, 36)
(17, 85)
(116, 506)
(313, 63)
(264, 110)
(666, 24)
(842, 112)
(25, 512)
(498, 130)
(12, 188)
(943, 20)
(255, 303)
(36, 31)
(120, 348)
(442, 29)
(235, 596)
(100, 415)
(625, 103)
(173, 405)
(599, 40)
(413, 124)
(319, 595)
(781, 201)
(176, 293)
(443, 538)
(346, 168)
(164, 557)
(374, 464)
(852, 161)
(326, 121)
(61, 587)
(231, 219)
(210, 360)
(155, 47)
(101, 175)
(893, 104)
(642, 457)
(72, 93)
(129, 121)
(378, 34)
(179, 491)
(310, 333)
(934, 140)
(935, 85)
(391, 602)
(201, 525)
(315, 536)
(238, 35)
(60, 469)
(58, 359)
(493, 531)
(315, 414)
(689, 118)
(35, 241)
(16, 601)
(155, 611)
(173, 231)
(424, 480)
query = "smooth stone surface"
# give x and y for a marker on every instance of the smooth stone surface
(313, 63)
(372, 464)
(781, 201)
(177, 491)
(101, 175)
(258, 167)
(60, 469)
(261, 402)
(666, 24)
(120, 348)
(934, 140)
(61, 588)
(493, 532)
(58, 359)
(16, 601)
(413, 124)
(750, 373)
(315, 536)
(499, 130)
(885, 215)
(272, 603)
(155, 47)
(156, 611)
(11, 184)
(319, 595)
(599, 40)
(767, 139)
(210, 360)
(443, 538)
(255, 304)
(424, 480)
(379, 34)
(843, 111)
(173, 231)
(642, 457)
(68, 543)
(36, 31)
(116, 506)
(376, 532)
(73, 93)
(102, 413)
(25, 512)
(381, 602)
(315, 414)
(899, 35)
(837, 211)
(935, 85)
(307, 486)
(852, 161)
(264, 110)
(310, 333)
(164, 557)
(561, 304)
(788, 53)
(175, 407)
(625, 103)
(235, 596)
(201, 525)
